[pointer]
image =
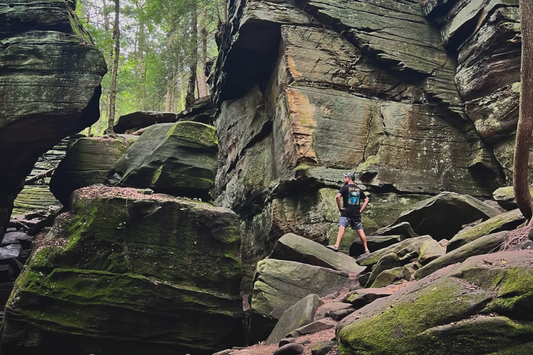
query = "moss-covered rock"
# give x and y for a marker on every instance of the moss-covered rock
(178, 159)
(87, 162)
(295, 248)
(387, 277)
(50, 86)
(429, 251)
(482, 245)
(405, 251)
(388, 261)
(503, 222)
(132, 272)
(505, 197)
(35, 198)
(472, 308)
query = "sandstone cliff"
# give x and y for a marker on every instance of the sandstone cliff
(308, 90)
(49, 86)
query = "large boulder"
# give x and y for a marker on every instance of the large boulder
(483, 245)
(505, 197)
(503, 222)
(295, 248)
(405, 250)
(482, 306)
(444, 215)
(87, 162)
(279, 284)
(178, 159)
(130, 274)
(140, 119)
(49, 85)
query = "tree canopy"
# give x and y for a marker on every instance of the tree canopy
(163, 48)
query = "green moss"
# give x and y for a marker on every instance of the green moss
(156, 174)
(393, 330)
(195, 132)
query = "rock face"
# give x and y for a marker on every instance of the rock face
(311, 89)
(87, 163)
(36, 195)
(38, 110)
(478, 307)
(178, 159)
(485, 34)
(137, 273)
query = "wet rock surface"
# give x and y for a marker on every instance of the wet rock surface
(178, 159)
(38, 38)
(116, 265)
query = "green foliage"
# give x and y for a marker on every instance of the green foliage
(156, 44)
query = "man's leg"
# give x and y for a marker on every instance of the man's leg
(362, 235)
(340, 234)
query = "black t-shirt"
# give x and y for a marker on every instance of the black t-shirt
(352, 196)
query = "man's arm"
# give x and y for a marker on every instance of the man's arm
(338, 199)
(365, 202)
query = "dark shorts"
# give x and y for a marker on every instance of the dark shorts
(354, 222)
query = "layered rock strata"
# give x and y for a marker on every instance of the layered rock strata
(486, 37)
(49, 86)
(127, 273)
(308, 90)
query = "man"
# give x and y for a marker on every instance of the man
(351, 213)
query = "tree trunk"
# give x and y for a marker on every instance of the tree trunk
(106, 17)
(525, 122)
(193, 58)
(113, 94)
(168, 107)
(202, 79)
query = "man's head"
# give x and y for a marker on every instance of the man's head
(349, 178)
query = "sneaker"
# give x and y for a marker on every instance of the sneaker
(332, 247)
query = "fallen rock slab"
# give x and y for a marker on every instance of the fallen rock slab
(483, 245)
(323, 347)
(302, 313)
(159, 269)
(429, 251)
(442, 216)
(87, 162)
(136, 120)
(405, 250)
(329, 308)
(374, 243)
(503, 222)
(179, 159)
(404, 229)
(290, 349)
(315, 327)
(362, 297)
(279, 284)
(295, 248)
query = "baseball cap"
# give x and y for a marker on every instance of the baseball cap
(350, 175)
